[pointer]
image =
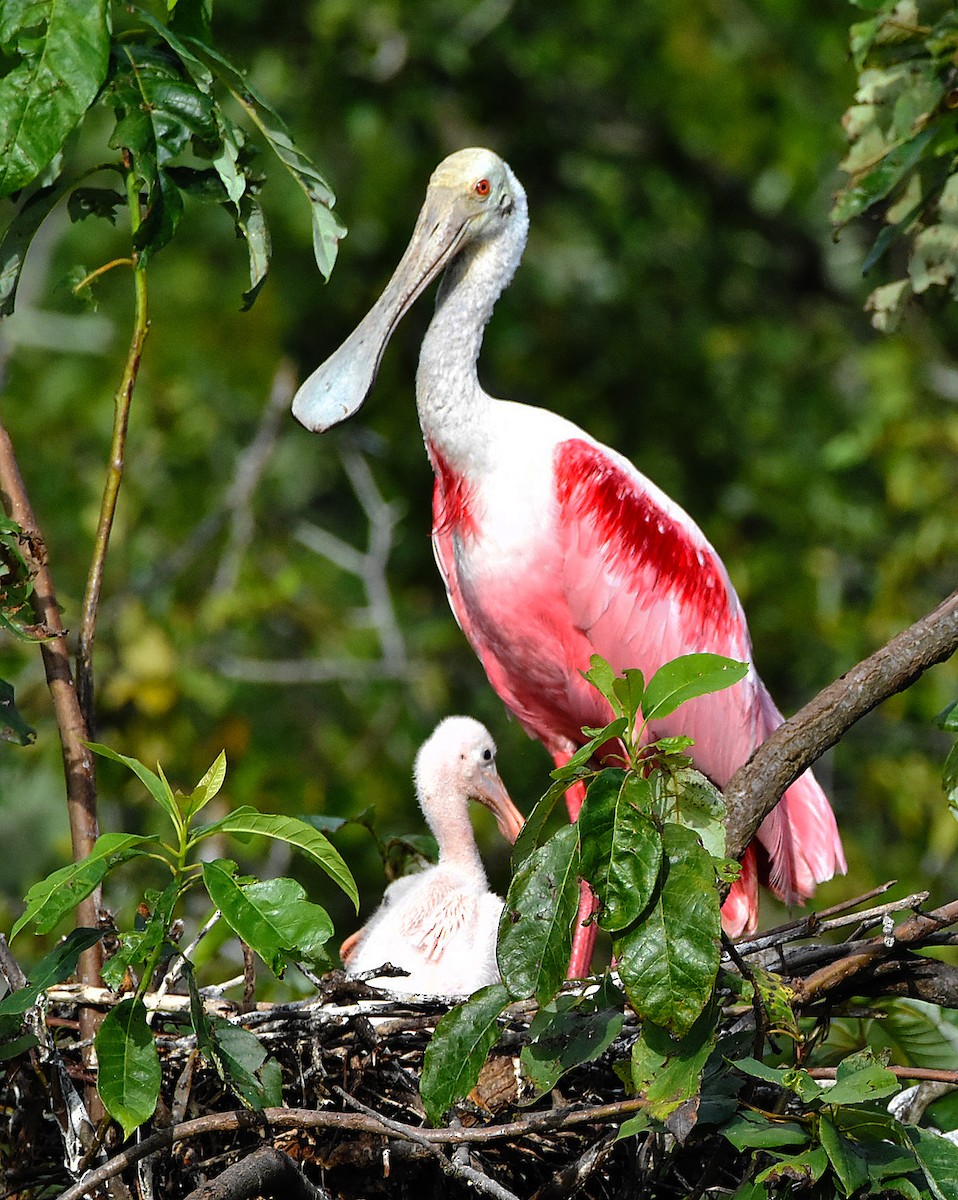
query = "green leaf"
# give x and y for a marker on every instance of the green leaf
(602, 677)
(669, 960)
(207, 787)
(754, 1131)
(685, 678)
(535, 933)
(621, 846)
(949, 775)
(564, 1039)
(677, 1077)
(158, 788)
(328, 230)
(880, 181)
(459, 1047)
(138, 947)
(251, 222)
(597, 738)
(53, 968)
(94, 202)
(938, 1158)
(947, 719)
(274, 917)
(530, 837)
(248, 821)
(60, 51)
(129, 1075)
(859, 1078)
(800, 1170)
(240, 1058)
(13, 1049)
(13, 728)
(55, 896)
(16, 241)
(629, 691)
(847, 1163)
(687, 797)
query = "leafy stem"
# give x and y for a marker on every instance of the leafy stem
(121, 415)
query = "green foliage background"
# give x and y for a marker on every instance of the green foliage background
(682, 297)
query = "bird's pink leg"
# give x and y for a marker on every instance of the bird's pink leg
(583, 936)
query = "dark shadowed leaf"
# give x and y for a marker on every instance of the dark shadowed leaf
(621, 846)
(687, 677)
(669, 960)
(16, 241)
(754, 1131)
(847, 1162)
(564, 1039)
(938, 1158)
(129, 1075)
(13, 728)
(54, 967)
(535, 933)
(59, 51)
(458, 1048)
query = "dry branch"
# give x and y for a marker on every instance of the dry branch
(756, 787)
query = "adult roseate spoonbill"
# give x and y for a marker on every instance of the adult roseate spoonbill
(554, 547)
(441, 924)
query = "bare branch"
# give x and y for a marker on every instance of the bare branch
(250, 466)
(78, 766)
(756, 787)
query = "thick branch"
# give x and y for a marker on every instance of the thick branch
(266, 1172)
(77, 760)
(756, 787)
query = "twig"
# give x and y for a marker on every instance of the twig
(756, 787)
(309, 1118)
(452, 1167)
(369, 566)
(250, 466)
(812, 924)
(934, 1074)
(916, 929)
(114, 477)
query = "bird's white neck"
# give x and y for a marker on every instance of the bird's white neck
(450, 400)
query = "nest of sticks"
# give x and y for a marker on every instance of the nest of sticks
(353, 1124)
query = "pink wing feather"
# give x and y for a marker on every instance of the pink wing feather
(621, 571)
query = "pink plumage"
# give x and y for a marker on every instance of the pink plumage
(554, 547)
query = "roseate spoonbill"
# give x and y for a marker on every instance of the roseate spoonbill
(554, 547)
(440, 925)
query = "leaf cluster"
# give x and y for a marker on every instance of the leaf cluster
(649, 841)
(903, 140)
(273, 918)
(174, 138)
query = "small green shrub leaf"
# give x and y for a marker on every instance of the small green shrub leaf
(59, 51)
(129, 1075)
(248, 821)
(685, 678)
(274, 917)
(621, 846)
(669, 960)
(458, 1049)
(535, 933)
(52, 898)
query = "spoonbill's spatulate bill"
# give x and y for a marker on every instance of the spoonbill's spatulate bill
(554, 547)
(440, 925)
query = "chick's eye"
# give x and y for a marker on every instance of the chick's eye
(487, 755)
(482, 187)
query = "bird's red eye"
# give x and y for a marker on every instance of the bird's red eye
(482, 187)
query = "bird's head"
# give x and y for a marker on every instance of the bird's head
(473, 196)
(458, 763)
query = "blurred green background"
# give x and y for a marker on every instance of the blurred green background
(682, 297)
